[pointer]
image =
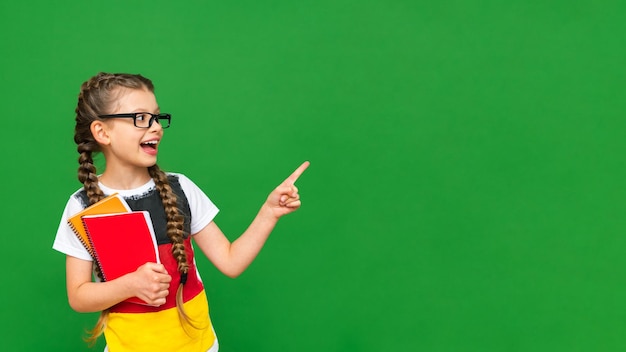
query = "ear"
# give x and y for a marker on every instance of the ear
(100, 132)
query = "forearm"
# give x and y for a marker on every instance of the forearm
(243, 250)
(150, 282)
(233, 258)
(98, 296)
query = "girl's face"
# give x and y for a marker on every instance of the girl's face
(131, 147)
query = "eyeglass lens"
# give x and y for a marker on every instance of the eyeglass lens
(145, 120)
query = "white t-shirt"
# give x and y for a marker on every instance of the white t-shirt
(203, 211)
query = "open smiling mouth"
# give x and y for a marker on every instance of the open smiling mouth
(150, 145)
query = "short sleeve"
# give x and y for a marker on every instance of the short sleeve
(203, 211)
(66, 241)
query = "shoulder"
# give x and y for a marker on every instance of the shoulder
(203, 210)
(182, 185)
(79, 197)
(192, 191)
(176, 175)
(181, 179)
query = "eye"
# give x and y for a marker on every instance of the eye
(142, 116)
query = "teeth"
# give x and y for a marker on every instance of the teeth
(150, 142)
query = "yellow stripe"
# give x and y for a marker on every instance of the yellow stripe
(162, 331)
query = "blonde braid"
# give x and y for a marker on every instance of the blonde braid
(175, 221)
(176, 234)
(87, 175)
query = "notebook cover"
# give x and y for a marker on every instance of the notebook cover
(111, 204)
(121, 243)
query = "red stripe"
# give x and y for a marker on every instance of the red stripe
(190, 289)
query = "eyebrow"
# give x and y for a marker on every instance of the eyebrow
(158, 110)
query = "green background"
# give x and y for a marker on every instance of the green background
(465, 191)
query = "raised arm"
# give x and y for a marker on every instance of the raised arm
(233, 258)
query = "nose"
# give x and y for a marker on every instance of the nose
(155, 126)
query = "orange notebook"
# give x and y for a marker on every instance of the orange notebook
(121, 243)
(109, 205)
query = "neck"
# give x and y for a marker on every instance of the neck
(124, 179)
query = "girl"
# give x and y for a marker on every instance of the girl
(118, 115)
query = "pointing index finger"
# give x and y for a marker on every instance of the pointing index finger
(294, 176)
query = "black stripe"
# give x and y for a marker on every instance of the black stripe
(151, 201)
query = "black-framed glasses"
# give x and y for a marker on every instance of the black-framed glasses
(144, 119)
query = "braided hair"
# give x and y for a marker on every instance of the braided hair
(97, 95)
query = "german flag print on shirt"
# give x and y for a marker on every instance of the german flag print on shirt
(136, 327)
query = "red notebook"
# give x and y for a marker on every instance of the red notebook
(122, 242)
